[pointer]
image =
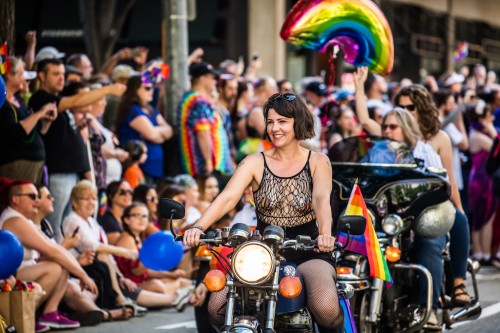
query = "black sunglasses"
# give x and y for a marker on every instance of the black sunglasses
(409, 107)
(288, 96)
(32, 196)
(392, 127)
(123, 192)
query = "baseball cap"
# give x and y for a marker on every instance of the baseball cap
(318, 88)
(343, 94)
(29, 75)
(454, 78)
(70, 69)
(48, 52)
(123, 72)
(200, 68)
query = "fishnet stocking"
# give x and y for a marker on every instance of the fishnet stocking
(322, 298)
(321, 290)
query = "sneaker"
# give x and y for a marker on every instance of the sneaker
(39, 328)
(57, 320)
(183, 296)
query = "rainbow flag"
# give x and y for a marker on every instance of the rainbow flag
(366, 244)
(4, 60)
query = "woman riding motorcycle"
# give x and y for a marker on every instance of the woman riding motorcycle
(292, 189)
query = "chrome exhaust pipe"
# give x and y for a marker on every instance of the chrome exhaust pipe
(469, 313)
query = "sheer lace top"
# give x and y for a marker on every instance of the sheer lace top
(285, 201)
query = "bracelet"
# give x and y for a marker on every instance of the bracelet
(199, 227)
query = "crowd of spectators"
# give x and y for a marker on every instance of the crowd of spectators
(84, 163)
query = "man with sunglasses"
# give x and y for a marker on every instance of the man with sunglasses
(52, 266)
(204, 144)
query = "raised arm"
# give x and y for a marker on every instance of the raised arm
(228, 198)
(370, 125)
(90, 97)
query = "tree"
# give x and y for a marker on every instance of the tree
(103, 23)
(7, 10)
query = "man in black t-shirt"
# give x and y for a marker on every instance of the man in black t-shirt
(66, 152)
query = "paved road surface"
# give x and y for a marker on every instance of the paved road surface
(170, 321)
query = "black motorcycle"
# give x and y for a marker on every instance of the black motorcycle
(403, 200)
(264, 292)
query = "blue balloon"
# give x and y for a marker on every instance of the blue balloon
(3, 91)
(11, 254)
(159, 252)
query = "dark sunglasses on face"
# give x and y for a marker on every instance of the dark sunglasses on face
(392, 127)
(289, 97)
(124, 192)
(409, 107)
(32, 196)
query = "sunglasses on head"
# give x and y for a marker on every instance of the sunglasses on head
(288, 96)
(32, 196)
(124, 192)
(392, 127)
(409, 107)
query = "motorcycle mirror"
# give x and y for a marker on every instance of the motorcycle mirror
(171, 209)
(352, 224)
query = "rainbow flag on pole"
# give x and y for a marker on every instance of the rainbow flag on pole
(366, 244)
(4, 59)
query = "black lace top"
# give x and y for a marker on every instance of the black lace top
(285, 201)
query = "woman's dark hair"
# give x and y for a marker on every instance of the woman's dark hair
(73, 88)
(111, 190)
(291, 106)
(126, 214)
(335, 127)
(428, 115)
(171, 191)
(128, 98)
(441, 97)
(135, 149)
(477, 112)
(141, 192)
(202, 180)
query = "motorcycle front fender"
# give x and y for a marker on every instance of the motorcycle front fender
(287, 305)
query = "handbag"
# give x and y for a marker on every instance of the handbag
(5, 307)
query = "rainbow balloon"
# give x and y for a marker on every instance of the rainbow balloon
(358, 27)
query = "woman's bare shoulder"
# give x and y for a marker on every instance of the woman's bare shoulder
(126, 241)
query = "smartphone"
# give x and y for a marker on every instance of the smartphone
(75, 232)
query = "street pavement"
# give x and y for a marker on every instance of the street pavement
(170, 321)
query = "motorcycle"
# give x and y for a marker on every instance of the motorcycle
(264, 292)
(403, 200)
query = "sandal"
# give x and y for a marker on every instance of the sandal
(460, 290)
(123, 315)
(137, 310)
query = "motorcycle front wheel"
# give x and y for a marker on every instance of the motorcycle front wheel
(364, 309)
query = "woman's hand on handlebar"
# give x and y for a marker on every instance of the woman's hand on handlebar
(191, 237)
(325, 243)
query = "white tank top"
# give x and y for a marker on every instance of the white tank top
(30, 255)
(426, 152)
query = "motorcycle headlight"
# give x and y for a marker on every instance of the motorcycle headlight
(253, 263)
(392, 224)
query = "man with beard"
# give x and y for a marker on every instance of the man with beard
(66, 154)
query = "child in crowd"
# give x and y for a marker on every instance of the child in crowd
(138, 153)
